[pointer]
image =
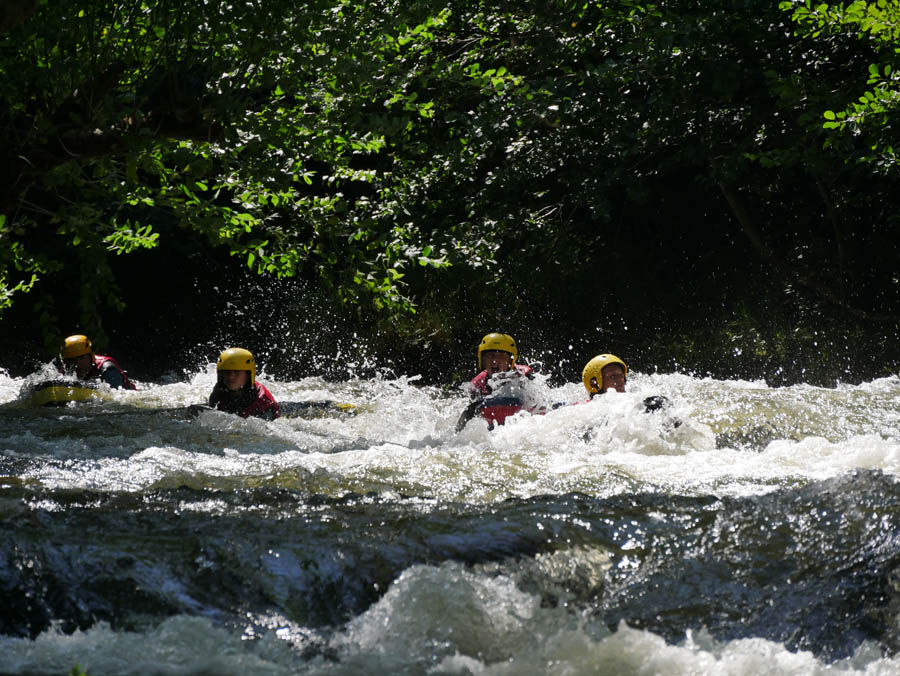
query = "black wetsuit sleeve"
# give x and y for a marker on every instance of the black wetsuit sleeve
(215, 397)
(469, 413)
(112, 376)
(656, 403)
(660, 402)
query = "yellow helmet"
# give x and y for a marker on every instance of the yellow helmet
(75, 346)
(237, 359)
(498, 341)
(594, 369)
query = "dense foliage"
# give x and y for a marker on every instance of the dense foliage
(700, 183)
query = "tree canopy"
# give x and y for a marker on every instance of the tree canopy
(726, 160)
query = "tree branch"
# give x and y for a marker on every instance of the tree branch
(754, 234)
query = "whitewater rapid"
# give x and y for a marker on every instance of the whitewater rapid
(535, 548)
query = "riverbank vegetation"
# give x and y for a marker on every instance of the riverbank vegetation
(704, 186)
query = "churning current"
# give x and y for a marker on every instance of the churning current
(744, 530)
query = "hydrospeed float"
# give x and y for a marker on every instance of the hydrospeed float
(62, 392)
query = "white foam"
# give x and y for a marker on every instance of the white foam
(734, 438)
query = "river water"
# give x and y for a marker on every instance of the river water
(745, 530)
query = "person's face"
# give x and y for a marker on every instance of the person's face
(613, 378)
(234, 380)
(495, 361)
(80, 366)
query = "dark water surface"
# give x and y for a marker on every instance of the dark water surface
(760, 535)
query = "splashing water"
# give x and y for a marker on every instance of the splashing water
(743, 529)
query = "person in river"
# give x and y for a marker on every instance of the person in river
(238, 391)
(77, 358)
(607, 372)
(602, 373)
(492, 391)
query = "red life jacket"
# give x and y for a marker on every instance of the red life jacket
(263, 404)
(497, 409)
(97, 370)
